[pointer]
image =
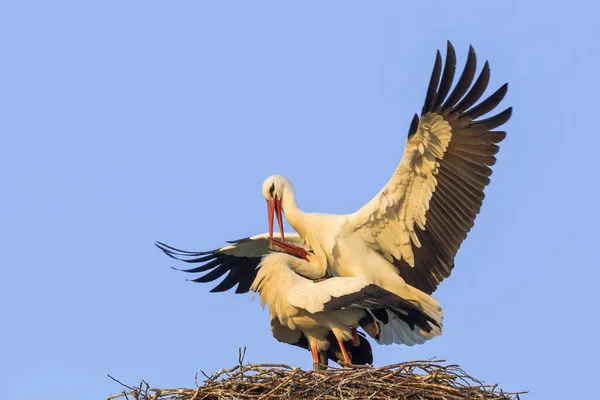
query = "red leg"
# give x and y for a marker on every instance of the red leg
(347, 359)
(315, 356)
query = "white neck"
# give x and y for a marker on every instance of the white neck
(293, 214)
(301, 221)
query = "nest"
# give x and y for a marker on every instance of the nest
(414, 380)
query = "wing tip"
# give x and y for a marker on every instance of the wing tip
(434, 82)
(450, 50)
(414, 124)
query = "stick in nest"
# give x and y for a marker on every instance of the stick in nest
(424, 380)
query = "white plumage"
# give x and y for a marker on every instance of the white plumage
(298, 303)
(312, 296)
(405, 239)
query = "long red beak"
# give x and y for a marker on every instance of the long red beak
(274, 207)
(290, 248)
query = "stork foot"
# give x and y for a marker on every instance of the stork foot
(323, 360)
(319, 367)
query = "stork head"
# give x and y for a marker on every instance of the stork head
(272, 189)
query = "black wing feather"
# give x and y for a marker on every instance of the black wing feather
(373, 297)
(448, 77)
(476, 91)
(232, 279)
(465, 80)
(433, 83)
(240, 271)
(464, 169)
(204, 267)
(488, 104)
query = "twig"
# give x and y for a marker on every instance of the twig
(121, 383)
(276, 388)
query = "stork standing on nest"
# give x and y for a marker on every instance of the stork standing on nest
(406, 238)
(334, 305)
(242, 259)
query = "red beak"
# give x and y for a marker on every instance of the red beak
(290, 248)
(274, 207)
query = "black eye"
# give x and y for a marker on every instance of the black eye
(272, 189)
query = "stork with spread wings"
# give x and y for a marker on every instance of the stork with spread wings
(406, 238)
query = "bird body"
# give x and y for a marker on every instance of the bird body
(401, 244)
(298, 302)
(337, 305)
(405, 239)
(340, 253)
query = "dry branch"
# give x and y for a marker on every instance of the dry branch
(415, 380)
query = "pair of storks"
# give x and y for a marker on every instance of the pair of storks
(375, 268)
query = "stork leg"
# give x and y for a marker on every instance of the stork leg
(355, 338)
(347, 359)
(315, 356)
(323, 360)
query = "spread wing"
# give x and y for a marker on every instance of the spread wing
(238, 260)
(345, 292)
(423, 214)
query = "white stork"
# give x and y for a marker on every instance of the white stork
(333, 305)
(240, 260)
(405, 239)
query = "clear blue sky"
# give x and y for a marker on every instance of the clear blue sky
(126, 122)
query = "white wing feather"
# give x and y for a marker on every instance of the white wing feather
(387, 222)
(313, 296)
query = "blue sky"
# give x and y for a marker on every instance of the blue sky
(127, 122)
